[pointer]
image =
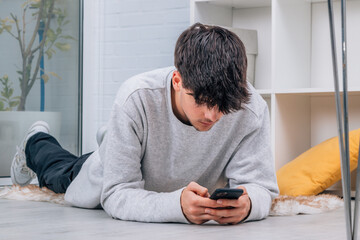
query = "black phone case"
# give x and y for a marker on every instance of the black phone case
(226, 193)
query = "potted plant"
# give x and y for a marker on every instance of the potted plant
(51, 38)
(38, 33)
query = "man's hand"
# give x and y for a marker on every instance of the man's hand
(194, 201)
(233, 211)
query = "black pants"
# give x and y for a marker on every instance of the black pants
(55, 167)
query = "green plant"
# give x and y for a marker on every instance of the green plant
(43, 12)
(7, 100)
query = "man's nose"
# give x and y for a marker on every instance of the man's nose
(213, 114)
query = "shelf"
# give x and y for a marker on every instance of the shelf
(313, 91)
(325, 1)
(293, 71)
(305, 91)
(238, 3)
(264, 92)
(253, 3)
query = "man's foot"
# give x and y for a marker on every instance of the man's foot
(21, 174)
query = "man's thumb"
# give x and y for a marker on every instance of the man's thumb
(198, 189)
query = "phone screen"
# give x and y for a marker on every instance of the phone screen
(226, 193)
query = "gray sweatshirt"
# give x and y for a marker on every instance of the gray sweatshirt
(148, 156)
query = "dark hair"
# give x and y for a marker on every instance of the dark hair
(212, 63)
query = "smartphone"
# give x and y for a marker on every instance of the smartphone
(226, 193)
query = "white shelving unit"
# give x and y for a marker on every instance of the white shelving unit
(293, 66)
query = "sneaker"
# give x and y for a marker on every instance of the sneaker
(21, 174)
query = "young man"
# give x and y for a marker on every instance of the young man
(174, 136)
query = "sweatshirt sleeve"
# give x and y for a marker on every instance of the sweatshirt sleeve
(252, 166)
(123, 195)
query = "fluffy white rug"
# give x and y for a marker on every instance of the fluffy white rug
(286, 205)
(31, 193)
(281, 206)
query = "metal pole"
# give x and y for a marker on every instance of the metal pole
(42, 68)
(345, 169)
(347, 183)
(357, 196)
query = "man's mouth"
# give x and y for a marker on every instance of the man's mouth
(206, 123)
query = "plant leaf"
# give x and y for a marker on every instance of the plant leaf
(63, 46)
(14, 103)
(48, 53)
(35, 13)
(5, 20)
(45, 77)
(47, 42)
(11, 91)
(5, 95)
(2, 106)
(29, 2)
(51, 35)
(60, 19)
(55, 75)
(68, 37)
(35, 5)
(8, 28)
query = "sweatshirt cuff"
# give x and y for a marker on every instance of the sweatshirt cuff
(177, 214)
(260, 203)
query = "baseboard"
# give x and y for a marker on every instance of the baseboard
(6, 181)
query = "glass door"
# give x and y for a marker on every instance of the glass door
(40, 72)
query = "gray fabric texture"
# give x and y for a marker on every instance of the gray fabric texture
(148, 156)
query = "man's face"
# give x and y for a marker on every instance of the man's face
(199, 116)
(188, 111)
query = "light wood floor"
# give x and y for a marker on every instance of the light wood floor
(37, 220)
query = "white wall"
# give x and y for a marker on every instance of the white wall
(123, 38)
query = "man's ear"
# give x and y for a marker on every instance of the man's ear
(176, 81)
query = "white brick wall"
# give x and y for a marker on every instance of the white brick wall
(135, 36)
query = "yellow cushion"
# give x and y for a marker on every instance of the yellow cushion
(316, 169)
